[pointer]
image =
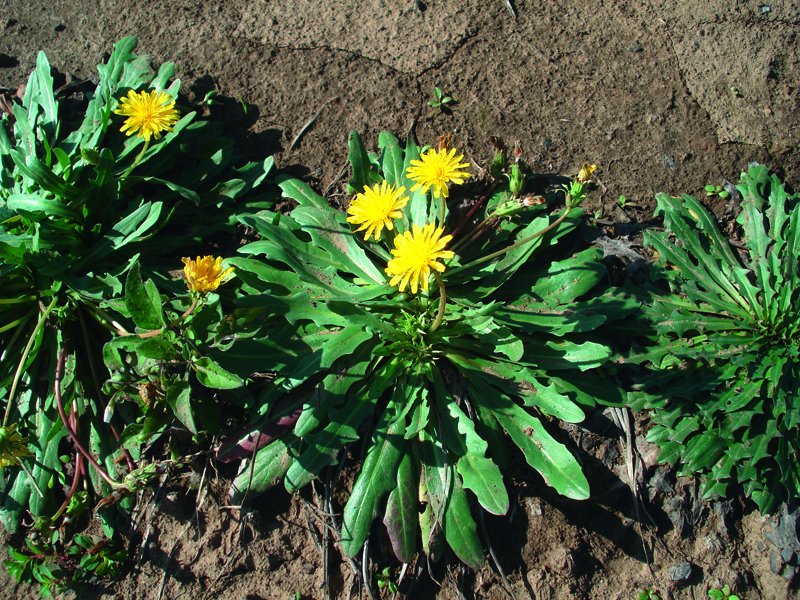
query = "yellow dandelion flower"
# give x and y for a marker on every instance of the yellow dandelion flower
(437, 169)
(586, 172)
(415, 254)
(149, 113)
(12, 446)
(206, 274)
(376, 207)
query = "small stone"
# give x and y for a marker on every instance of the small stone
(775, 563)
(669, 162)
(308, 568)
(635, 48)
(535, 507)
(547, 142)
(680, 572)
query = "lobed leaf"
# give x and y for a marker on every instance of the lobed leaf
(142, 301)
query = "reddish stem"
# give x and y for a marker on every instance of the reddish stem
(74, 487)
(472, 210)
(60, 404)
(99, 389)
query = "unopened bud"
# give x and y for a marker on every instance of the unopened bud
(516, 181)
(499, 164)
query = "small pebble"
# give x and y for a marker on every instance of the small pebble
(669, 162)
(547, 142)
(680, 572)
(535, 507)
(635, 48)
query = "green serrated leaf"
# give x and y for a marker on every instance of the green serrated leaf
(31, 203)
(342, 429)
(179, 398)
(416, 211)
(143, 301)
(550, 458)
(391, 159)
(133, 225)
(330, 231)
(480, 474)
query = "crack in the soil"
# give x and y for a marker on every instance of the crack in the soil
(460, 43)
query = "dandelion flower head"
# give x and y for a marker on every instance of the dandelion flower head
(586, 172)
(149, 113)
(205, 274)
(436, 169)
(12, 446)
(375, 208)
(415, 254)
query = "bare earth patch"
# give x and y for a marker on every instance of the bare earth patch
(662, 96)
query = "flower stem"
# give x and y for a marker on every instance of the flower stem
(30, 477)
(148, 334)
(98, 388)
(74, 436)
(20, 325)
(8, 326)
(104, 319)
(489, 257)
(26, 299)
(465, 241)
(137, 160)
(18, 374)
(474, 208)
(442, 303)
(73, 488)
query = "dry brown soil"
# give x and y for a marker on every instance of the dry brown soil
(661, 95)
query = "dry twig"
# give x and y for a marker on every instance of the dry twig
(309, 123)
(495, 560)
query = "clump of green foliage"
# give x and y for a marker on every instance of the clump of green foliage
(58, 568)
(84, 211)
(723, 594)
(437, 383)
(439, 99)
(724, 344)
(716, 190)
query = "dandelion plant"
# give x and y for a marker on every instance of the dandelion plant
(434, 349)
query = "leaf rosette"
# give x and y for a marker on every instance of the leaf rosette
(434, 380)
(724, 343)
